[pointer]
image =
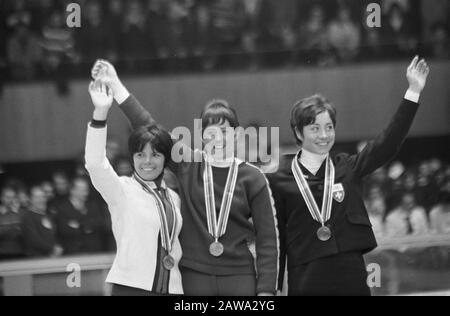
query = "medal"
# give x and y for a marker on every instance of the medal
(323, 215)
(168, 262)
(217, 227)
(324, 233)
(216, 249)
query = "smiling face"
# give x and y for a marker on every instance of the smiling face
(148, 163)
(318, 137)
(218, 140)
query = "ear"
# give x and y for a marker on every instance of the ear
(298, 134)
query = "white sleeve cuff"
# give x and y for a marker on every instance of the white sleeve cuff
(412, 96)
(121, 94)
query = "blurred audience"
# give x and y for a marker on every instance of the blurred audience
(81, 221)
(65, 216)
(11, 234)
(159, 36)
(38, 226)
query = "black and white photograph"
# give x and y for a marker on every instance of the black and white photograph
(224, 155)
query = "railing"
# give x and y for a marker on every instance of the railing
(405, 266)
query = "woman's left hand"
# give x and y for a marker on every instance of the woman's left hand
(417, 74)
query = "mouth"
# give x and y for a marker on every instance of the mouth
(148, 169)
(323, 144)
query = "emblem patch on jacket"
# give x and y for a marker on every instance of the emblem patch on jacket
(338, 192)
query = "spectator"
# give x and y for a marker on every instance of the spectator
(61, 184)
(94, 39)
(398, 33)
(277, 36)
(440, 41)
(39, 228)
(58, 49)
(227, 25)
(23, 53)
(313, 40)
(376, 207)
(49, 190)
(114, 20)
(440, 213)
(137, 45)
(344, 35)
(159, 30)
(11, 235)
(123, 167)
(81, 222)
(407, 219)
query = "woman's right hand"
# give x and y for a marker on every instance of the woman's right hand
(102, 99)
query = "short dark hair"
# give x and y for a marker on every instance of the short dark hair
(305, 111)
(157, 136)
(217, 112)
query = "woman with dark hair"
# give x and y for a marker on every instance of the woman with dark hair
(226, 205)
(324, 225)
(145, 213)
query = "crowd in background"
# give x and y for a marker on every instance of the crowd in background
(161, 36)
(64, 215)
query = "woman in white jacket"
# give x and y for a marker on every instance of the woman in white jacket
(145, 214)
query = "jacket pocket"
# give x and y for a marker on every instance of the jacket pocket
(358, 218)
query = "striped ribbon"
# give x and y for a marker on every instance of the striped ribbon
(168, 238)
(324, 215)
(218, 228)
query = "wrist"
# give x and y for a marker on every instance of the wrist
(415, 89)
(412, 95)
(119, 91)
(100, 114)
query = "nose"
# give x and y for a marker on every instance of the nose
(323, 134)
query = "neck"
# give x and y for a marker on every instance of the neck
(312, 161)
(157, 181)
(220, 162)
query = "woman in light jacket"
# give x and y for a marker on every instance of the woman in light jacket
(145, 214)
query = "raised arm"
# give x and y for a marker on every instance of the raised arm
(103, 176)
(130, 106)
(386, 145)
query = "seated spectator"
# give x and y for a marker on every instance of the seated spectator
(123, 167)
(439, 45)
(81, 223)
(94, 39)
(344, 35)
(159, 30)
(227, 25)
(38, 227)
(407, 219)
(376, 207)
(440, 213)
(60, 182)
(399, 38)
(313, 40)
(58, 48)
(23, 53)
(11, 235)
(137, 47)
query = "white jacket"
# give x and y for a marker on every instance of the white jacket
(135, 221)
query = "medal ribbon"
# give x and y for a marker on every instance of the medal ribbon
(168, 239)
(218, 228)
(324, 215)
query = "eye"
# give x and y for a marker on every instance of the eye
(140, 155)
(330, 127)
(315, 129)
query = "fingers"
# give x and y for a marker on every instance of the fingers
(413, 64)
(99, 66)
(91, 87)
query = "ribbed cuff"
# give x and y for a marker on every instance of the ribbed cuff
(98, 124)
